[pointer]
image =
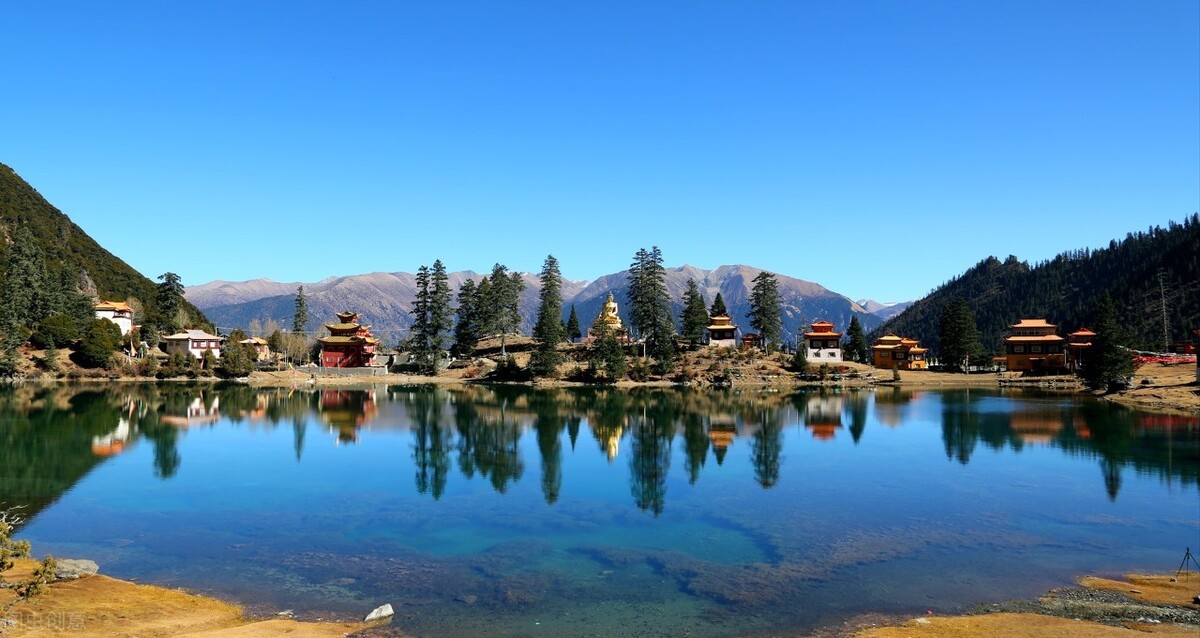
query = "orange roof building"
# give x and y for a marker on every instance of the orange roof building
(899, 353)
(1078, 343)
(117, 312)
(1033, 345)
(823, 343)
(722, 332)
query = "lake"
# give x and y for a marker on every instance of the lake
(490, 511)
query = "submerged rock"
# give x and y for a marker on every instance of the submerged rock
(72, 568)
(383, 611)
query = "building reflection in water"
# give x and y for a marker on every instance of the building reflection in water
(478, 431)
(345, 411)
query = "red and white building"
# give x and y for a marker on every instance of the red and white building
(117, 312)
(193, 342)
(823, 343)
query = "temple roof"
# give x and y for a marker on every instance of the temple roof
(1033, 323)
(119, 306)
(343, 327)
(822, 334)
(721, 322)
(254, 341)
(347, 316)
(347, 339)
(1082, 332)
(1034, 339)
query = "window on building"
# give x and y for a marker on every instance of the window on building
(1019, 349)
(1035, 348)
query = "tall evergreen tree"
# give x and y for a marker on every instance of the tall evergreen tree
(24, 300)
(431, 316)
(650, 307)
(856, 342)
(466, 329)
(503, 303)
(300, 317)
(573, 329)
(548, 330)
(419, 334)
(958, 335)
(1107, 363)
(169, 301)
(694, 316)
(718, 307)
(441, 316)
(765, 315)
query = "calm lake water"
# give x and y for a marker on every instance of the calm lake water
(507, 511)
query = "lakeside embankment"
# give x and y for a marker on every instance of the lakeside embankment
(95, 606)
(1158, 388)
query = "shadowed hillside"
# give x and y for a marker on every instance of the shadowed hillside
(1067, 289)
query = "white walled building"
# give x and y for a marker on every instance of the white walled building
(193, 342)
(823, 343)
(117, 312)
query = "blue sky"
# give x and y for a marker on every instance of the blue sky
(876, 148)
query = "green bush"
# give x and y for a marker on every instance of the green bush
(99, 342)
(55, 331)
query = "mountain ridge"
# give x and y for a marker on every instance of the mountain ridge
(384, 298)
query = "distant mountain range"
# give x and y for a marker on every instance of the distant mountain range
(884, 309)
(384, 299)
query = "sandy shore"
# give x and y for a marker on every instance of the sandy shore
(97, 606)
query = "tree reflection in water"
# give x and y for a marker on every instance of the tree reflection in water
(52, 436)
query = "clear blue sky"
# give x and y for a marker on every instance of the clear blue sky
(876, 148)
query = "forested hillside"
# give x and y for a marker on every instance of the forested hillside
(66, 248)
(1140, 272)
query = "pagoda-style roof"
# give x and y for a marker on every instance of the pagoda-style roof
(1026, 324)
(348, 317)
(1082, 332)
(1034, 339)
(254, 341)
(337, 339)
(116, 306)
(344, 327)
(722, 322)
(822, 326)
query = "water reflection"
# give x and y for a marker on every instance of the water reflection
(50, 437)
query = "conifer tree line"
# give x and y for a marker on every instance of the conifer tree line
(1152, 277)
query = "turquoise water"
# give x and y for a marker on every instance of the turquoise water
(514, 512)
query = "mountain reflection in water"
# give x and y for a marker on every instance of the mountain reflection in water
(599, 510)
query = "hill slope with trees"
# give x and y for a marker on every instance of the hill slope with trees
(1140, 272)
(68, 251)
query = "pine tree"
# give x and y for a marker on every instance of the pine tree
(23, 300)
(608, 355)
(650, 307)
(169, 301)
(236, 359)
(573, 330)
(440, 314)
(958, 335)
(694, 316)
(764, 309)
(800, 359)
(1107, 363)
(502, 304)
(856, 342)
(300, 317)
(549, 329)
(718, 307)
(466, 329)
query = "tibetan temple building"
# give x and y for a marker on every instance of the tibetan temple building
(1078, 343)
(823, 343)
(722, 332)
(899, 353)
(1034, 345)
(349, 344)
